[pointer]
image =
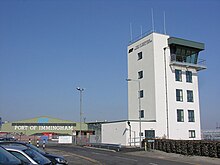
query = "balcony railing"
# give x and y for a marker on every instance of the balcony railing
(199, 64)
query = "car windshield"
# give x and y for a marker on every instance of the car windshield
(36, 156)
(36, 149)
(7, 158)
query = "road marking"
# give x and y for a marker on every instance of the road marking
(153, 164)
(126, 158)
(87, 158)
(66, 155)
(104, 149)
(82, 157)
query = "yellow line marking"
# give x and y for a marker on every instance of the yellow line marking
(87, 158)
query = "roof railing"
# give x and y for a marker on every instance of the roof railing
(200, 65)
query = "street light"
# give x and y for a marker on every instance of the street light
(80, 126)
(129, 124)
(139, 105)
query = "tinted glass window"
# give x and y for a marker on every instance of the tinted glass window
(189, 96)
(140, 55)
(178, 75)
(191, 116)
(180, 115)
(140, 74)
(141, 94)
(142, 113)
(179, 95)
(36, 149)
(7, 158)
(192, 133)
(188, 76)
(20, 157)
(36, 156)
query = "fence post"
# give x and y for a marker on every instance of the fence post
(145, 145)
(44, 145)
(37, 143)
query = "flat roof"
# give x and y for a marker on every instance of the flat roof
(188, 43)
(118, 121)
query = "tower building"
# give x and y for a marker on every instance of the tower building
(163, 94)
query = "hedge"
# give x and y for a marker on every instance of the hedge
(186, 147)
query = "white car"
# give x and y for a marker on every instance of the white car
(27, 155)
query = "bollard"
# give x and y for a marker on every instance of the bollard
(44, 145)
(145, 146)
(37, 143)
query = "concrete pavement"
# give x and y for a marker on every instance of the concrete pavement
(200, 160)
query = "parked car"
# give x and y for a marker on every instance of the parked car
(27, 155)
(2, 139)
(8, 158)
(55, 159)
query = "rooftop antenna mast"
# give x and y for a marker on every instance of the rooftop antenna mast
(131, 31)
(164, 23)
(141, 31)
(152, 17)
(217, 126)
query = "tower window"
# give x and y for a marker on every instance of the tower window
(180, 115)
(179, 95)
(140, 55)
(141, 94)
(192, 133)
(189, 96)
(188, 76)
(191, 117)
(178, 75)
(142, 114)
(140, 74)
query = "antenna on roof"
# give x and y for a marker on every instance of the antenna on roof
(217, 126)
(164, 23)
(141, 31)
(131, 31)
(152, 17)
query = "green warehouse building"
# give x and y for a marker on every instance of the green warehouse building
(44, 125)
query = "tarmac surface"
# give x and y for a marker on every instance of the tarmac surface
(75, 158)
(198, 160)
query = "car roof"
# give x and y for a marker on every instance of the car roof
(15, 147)
(19, 149)
(7, 142)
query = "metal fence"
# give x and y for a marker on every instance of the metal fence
(54, 139)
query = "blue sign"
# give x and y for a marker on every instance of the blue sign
(42, 120)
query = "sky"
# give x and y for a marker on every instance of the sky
(48, 48)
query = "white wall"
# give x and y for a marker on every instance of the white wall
(153, 84)
(180, 130)
(147, 83)
(115, 133)
(160, 42)
(118, 132)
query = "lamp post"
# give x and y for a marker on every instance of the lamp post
(139, 105)
(80, 125)
(129, 124)
(165, 69)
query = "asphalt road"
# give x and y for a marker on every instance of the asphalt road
(89, 156)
